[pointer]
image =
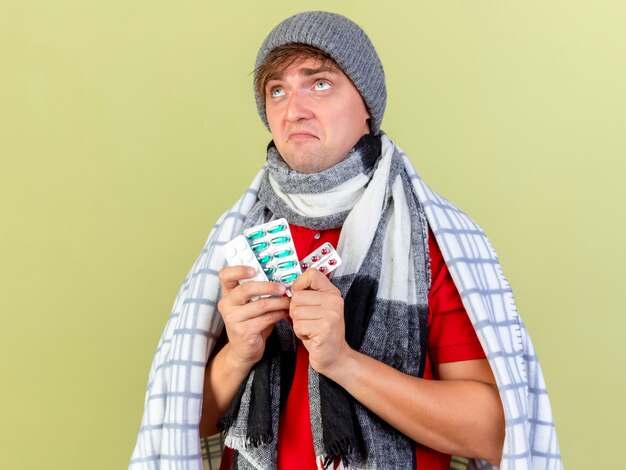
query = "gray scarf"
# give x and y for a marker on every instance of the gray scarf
(371, 197)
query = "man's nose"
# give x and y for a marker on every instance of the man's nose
(299, 107)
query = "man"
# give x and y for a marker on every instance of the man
(380, 366)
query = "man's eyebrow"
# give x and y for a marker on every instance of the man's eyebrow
(307, 72)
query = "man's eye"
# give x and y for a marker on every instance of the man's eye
(277, 91)
(322, 85)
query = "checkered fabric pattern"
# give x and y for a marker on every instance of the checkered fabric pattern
(169, 439)
(530, 440)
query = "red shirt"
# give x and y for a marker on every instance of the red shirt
(451, 338)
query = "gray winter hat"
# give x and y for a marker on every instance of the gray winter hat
(346, 43)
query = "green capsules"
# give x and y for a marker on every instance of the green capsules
(277, 228)
(283, 253)
(273, 247)
(259, 246)
(265, 259)
(287, 265)
(255, 235)
(288, 277)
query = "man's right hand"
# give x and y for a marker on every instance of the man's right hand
(248, 324)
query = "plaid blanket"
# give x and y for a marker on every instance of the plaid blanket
(169, 438)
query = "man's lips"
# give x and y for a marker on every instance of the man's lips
(301, 136)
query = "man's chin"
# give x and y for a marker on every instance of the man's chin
(307, 165)
(312, 163)
(304, 159)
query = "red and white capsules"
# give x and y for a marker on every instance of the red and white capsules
(325, 259)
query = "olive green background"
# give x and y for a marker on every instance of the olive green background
(127, 127)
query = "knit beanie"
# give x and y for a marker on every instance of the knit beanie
(346, 43)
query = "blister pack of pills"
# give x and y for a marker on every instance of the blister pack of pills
(269, 249)
(238, 252)
(325, 259)
(273, 248)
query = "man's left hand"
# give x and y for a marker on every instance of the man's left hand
(317, 312)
